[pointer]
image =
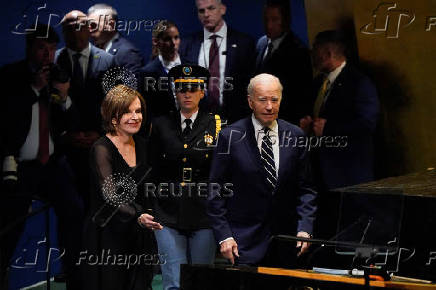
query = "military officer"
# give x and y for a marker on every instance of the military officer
(182, 143)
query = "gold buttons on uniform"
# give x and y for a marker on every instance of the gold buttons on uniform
(184, 159)
(185, 146)
(207, 155)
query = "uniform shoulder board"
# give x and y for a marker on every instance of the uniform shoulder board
(218, 125)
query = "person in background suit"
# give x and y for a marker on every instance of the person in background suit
(36, 111)
(345, 111)
(272, 189)
(154, 76)
(103, 22)
(181, 153)
(282, 54)
(228, 54)
(86, 65)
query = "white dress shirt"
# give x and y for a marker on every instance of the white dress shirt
(203, 57)
(29, 150)
(84, 58)
(183, 118)
(274, 136)
(276, 43)
(169, 64)
(332, 77)
(108, 45)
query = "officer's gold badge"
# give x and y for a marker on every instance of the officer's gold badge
(208, 139)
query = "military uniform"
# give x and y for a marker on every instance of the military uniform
(182, 162)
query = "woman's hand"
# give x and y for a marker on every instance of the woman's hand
(145, 220)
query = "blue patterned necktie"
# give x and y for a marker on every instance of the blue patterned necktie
(267, 156)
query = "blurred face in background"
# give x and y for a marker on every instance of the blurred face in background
(168, 43)
(101, 26)
(42, 52)
(273, 22)
(210, 14)
(76, 30)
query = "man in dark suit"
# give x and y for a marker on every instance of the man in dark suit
(227, 53)
(103, 24)
(344, 116)
(35, 113)
(282, 54)
(86, 65)
(272, 191)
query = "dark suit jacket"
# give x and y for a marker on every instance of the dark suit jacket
(351, 111)
(156, 89)
(126, 54)
(239, 68)
(180, 209)
(88, 100)
(18, 98)
(252, 214)
(291, 63)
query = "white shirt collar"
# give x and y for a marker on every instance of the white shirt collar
(222, 33)
(334, 74)
(258, 127)
(169, 64)
(193, 117)
(85, 52)
(109, 44)
(276, 42)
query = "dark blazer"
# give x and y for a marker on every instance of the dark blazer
(351, 111)
(88, 99)
(291, 63)
(126, 54)
(240, 59)
(18, 98)
(156, 88)
(251, 215)
(171, 153)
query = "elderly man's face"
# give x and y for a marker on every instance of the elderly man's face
(210, 13)
(273, 22)
(265, 101)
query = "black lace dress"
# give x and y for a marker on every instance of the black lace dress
(117, 255)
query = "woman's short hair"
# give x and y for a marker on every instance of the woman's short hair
(116, 103)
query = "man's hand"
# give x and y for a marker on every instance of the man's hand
(229, 249)
(303, 245)
(306, 124)
(318, 126)
(63, 91)
(146, 220)
(40, 78)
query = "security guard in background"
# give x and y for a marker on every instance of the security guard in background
(182, 143)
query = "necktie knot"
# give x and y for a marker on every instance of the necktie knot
(188, 122)
(213, 37)
(77, 56)
(266, 130)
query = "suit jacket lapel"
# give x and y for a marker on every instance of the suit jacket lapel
(284, 151)
(195, 54)
(93, 61)
(260, 56)
(251, 143)
(229, 52)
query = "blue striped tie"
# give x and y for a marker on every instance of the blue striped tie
(267, 156)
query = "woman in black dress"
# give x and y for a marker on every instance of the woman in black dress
(117, 252)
